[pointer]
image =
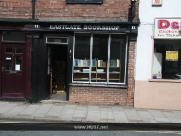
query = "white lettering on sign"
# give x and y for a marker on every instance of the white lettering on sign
(85, 27)
(66, 27)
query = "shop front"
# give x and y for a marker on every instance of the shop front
(90, 62)
(93, 62)
(163, 89)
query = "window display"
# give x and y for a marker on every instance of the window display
(99, 58)
(167, 59)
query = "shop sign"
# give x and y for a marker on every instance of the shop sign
(87, 27)
(156, 2)
(171, 55)
(167, 29)
(84, 27)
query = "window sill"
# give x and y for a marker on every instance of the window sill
(164, 80)
(98, 85)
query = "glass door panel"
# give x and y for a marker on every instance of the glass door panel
(8, 63)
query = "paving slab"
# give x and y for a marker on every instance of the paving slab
(170, 114)
(157, 114)
(145, 115)
(3, 103)
(93, 108)
(81, 108)
(93, 113)
(93, 118)
(42, 110)
(66, 117)
(174, 120)
(117, 109)
(178, 113)
(66, 111)
(15, 111)
(31, 109)
(55, 111)
(162, 120)
(4, 109)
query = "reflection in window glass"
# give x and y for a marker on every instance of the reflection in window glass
(8, 63)
(117, 58)
(19, 49)
(8, 49)
(100, 57)
(18, 63)
(82, 57)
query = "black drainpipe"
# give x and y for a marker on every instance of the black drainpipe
(33, 9)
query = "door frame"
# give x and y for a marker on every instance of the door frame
(68, 61)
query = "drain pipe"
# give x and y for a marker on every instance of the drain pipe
(33, 9)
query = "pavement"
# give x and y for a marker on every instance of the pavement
(64, 112)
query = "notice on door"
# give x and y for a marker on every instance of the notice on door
(17, 67)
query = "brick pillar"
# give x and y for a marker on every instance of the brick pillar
(131, 73)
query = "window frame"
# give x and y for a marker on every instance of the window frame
(107, 75)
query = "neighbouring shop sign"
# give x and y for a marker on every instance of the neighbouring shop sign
(156, 2)
(171, 55)
(167, 28)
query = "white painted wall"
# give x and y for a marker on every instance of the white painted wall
(144, 50)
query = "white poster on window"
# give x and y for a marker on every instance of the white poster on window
(17, 67)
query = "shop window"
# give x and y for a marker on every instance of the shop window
(13, 36)
(99, 58)
(167, 59)
(85, 1)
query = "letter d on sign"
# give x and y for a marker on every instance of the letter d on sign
(163, 24)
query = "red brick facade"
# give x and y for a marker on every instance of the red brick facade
(58, 9)
(108, 96)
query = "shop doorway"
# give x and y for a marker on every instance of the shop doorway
(13, 71)
(57, 67)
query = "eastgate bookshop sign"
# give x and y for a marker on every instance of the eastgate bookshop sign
(167, 29)
(85, 27)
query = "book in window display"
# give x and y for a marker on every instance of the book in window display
(93, 62)
(114, 63)
(75, 62)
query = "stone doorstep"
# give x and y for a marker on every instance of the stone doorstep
(53, 101)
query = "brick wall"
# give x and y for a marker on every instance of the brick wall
(108, 96)
(15, 8)
(110, 9)
(98, 96)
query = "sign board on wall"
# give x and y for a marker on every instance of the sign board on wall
(167, 28)
(156, 2)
